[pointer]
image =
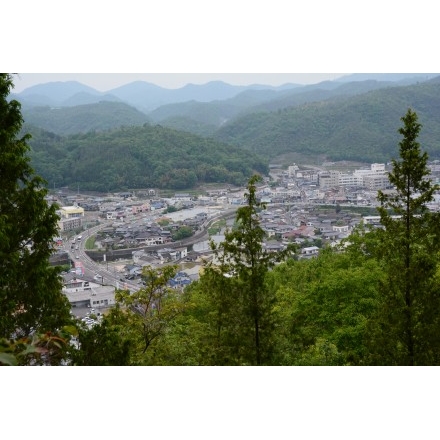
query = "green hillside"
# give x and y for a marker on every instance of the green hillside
(138, 157)
(84, 118)
(360, 128)
(205, 118)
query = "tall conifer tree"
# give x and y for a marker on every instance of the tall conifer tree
(406, 331)
(243, 306)
(30, 290)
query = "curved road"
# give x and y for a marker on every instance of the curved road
(100, 271)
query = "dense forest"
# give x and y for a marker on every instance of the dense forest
(359, 128)
(138, 157)
(84, 118)
(211, 116)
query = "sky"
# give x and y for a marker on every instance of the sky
(107, 81)
(190, 39)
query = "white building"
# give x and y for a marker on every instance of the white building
(83, 293)
(374, 178)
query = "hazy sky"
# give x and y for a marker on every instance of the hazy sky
(108, 81)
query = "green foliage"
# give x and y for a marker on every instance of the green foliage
(140, 157)
(359, 128)
(143, 318)
(171, 209)
(405, 330)
(90, 242)
(182, 232)
(30, 290)
(239, 308)
(163, 222)
(216, 227)
(38, 349)
(324, 305)
(84, 118)
(103, 344)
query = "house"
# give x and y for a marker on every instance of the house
(181, 253)
(180, 280)
(182, 197)
(132, 271)
(142, 258)
(340, 229)
(157, 205)
(308, 252)
(83, 293)
(167, 255)
(273, 246)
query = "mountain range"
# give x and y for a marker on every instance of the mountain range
(140, 94)
(353, 118)
(147, 97)
(71, 107)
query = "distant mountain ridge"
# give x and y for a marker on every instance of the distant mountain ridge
(140, 94)
(394, 77)
(199, 109)
(147, 97)
(359, 128)
(204, 118)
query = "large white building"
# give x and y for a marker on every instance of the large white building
(71, 218)
(373, 178)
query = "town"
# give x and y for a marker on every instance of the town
(128, 231)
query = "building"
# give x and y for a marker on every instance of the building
(309, 252)
(83, 293)
(71, 212)
(373, 178)
(71, 218)
(180, 280)
(329, 178)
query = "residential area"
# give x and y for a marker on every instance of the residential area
(133, 230)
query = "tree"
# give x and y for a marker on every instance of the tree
(242, 306)
(101, 345)
(325, 304)
(405, 332)
(31, 300)
(144, 317)
(182, 233)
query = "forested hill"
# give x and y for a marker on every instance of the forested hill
(205, 118)
(83, 118)
(138, 157)
(360, 128)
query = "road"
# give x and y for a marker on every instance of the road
(105, 274)
(101, 272)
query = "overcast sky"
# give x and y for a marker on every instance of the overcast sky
(195, 36)
(107, 81)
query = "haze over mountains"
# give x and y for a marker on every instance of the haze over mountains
(355, 118)
(143, 95)
(146, 96)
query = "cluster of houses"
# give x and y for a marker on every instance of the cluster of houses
(359, 188)
(83, 293)
(293, 214)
